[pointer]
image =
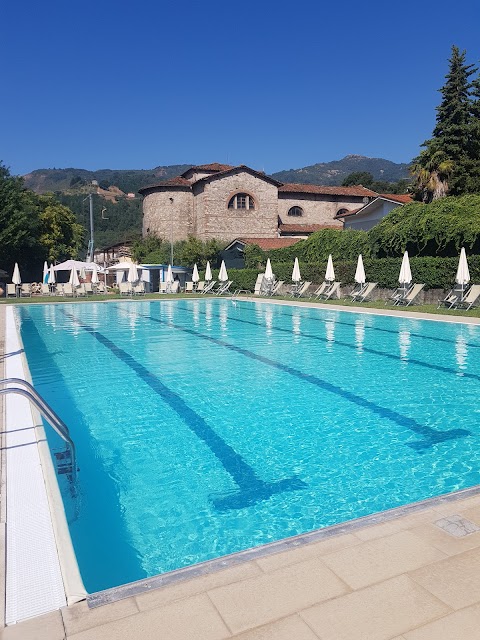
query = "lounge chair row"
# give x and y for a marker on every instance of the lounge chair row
(26, 290)
(461, 297)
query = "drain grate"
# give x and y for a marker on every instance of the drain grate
(457, 526)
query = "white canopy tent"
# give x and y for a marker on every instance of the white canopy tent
(68, 265)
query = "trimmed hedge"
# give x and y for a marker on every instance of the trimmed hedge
(436, 273)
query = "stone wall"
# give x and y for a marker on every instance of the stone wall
(167, 210)
(213, 218)
(317, 208)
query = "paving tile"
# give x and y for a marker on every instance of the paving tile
(443, 541)
(47, 627)
(164, 595)
(379, 612)
(79, 617)
(380, 559)
(190, 619)
(305, 551)
(398, 524)
(471, 513)
(455, 506)
(291, 628)
(455, 580)
(459, 625)
(275, 595)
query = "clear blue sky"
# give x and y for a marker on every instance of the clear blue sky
(274, 85)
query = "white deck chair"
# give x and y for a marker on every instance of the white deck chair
(11, 290)
(200, 286)
(333, 290)
(68, 290)
(81, 291)
(125, 288)
(258, 285)
(25, 290)
(470, 299)
(44, 289)
(277, 287)
(302, 291)
(223, 288)
(88, 288)
(357, 290)
(188, 287)
(318, 292)
(453, 297)
(139, 289)
(365, 293)
(209, 286)
(411, 295)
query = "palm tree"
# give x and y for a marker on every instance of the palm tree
(431, 171)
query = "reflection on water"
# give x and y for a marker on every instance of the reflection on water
(269, 321)
(461, 352)
(404, 342)
(296, 328)
(359, 334)
(330, 331)
(223, 315)
(196, 314)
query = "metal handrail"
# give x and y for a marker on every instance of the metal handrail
(45, 410)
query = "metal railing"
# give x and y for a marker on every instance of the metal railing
(26, 390)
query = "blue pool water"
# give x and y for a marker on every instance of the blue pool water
(207, 427)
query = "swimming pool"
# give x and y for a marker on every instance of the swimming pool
(205, 427)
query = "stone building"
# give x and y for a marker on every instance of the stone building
(225, 202)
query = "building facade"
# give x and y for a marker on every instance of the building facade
(225, 202)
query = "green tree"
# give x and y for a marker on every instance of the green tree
(60, 236)
(443, 166)
(364, 178)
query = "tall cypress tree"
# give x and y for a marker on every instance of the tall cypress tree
(473, 185)
(446, 156)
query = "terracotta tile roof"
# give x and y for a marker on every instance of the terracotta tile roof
(305, 228)
(348, 213)
(333, 191)
(404, 198)
(240, 167)
(271, 243)
(214, 166)
(178, 181)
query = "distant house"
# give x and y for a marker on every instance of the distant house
(234, 253)
(225, 202)
(372, 212)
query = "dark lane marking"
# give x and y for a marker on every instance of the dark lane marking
(252, 488)
(431, 436)
(376, 352)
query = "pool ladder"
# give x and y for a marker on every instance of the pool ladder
(66, 461)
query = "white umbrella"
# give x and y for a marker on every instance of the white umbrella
(208, 273)
(296, 277)
(195, 276)
(51, 275)
(83, 274)
(268, 271)
(463, 274)
(405, 276)
(45, 272)
(16, 279)
(169, 274)
(73, 280)
(330, 273)
(95, 276)
(132, 273)
(360, 272)
(222, 274)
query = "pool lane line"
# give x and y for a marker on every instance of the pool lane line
(348, 345)
(252, 488)
(431, 436)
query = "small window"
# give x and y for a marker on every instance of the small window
(340, 212)
(241, 201)
(295, 211)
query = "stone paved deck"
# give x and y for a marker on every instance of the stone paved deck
(407, 578)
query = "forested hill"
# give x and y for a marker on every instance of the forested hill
(333, 173)
(127, 180)
(131, 180)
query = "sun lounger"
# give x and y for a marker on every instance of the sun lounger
(453, 297)
(364, 293)
(188, 287)
(125, 288)
(398, 294)
(25, 290)
(88, 288)
(173, 287)
(223, 288)
(470, 299)
(333, 290)
(357, 290)
(11, 290)
(302, 290)
(323, 287)
(258, 285)
(411, 295)
(44, 289)
(200, 286)
(80, 291)
(276, 287)
(68, 290)
(209, 286)
(139, 289)
(100, 288)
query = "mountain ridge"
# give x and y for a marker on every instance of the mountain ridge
(71, 180)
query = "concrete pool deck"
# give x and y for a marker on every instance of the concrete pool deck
(415, 576)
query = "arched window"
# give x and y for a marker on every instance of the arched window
(295, 211)
(241, 201)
